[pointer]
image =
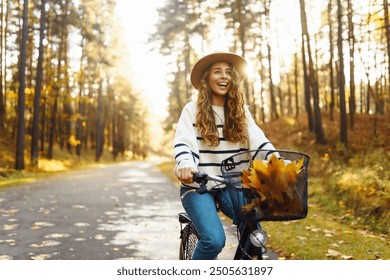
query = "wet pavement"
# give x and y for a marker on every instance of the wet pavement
(121, 211)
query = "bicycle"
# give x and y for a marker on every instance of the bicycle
(251, 238)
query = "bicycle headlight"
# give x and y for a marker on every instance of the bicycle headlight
(258, 238)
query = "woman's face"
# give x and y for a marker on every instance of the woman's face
(219, 81)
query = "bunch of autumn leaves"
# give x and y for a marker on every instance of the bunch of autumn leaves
(274, 183)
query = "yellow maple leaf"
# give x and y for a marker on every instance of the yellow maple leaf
(273, 182)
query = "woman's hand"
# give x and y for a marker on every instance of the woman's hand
(185, 173)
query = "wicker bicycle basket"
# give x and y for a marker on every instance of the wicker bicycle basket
(267, 199)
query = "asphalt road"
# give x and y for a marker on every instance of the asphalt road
(121, 211)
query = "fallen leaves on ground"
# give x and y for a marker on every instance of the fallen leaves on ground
(333, 254)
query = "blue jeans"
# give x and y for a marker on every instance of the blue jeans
(203, 213)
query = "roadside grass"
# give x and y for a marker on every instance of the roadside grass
(167, 168)
(326, 233)
(63, 163)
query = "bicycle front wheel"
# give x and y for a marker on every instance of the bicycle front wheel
(189, 239)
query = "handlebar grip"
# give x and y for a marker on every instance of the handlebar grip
(202, 178)
(199, 177)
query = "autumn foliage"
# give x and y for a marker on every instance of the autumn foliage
(274, 183)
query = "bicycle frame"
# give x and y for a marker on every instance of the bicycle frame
(245, 250)
(247, 230)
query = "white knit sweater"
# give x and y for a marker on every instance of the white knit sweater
(191, 151)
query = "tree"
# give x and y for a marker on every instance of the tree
(19, 159)
(2, 56)
(306, 78)
(53, 84)
(179, 22)
(311, 78)
(351, 40)
(331, 63)
(343, 109)
(37, 97)
(387, 30)
(81, 101)
(274, 111)
(99, 123)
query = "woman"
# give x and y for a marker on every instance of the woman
(209, 130)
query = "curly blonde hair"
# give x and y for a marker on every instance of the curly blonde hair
(234, 128)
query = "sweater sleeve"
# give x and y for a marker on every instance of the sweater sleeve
(257, 138)
(186, 150)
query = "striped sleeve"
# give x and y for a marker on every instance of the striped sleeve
(186, 150)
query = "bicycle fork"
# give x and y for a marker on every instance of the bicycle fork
(251, 243)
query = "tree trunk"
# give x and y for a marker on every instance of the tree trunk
(114, 127)
(121, 131)
(5, 40)
(273, 109)
(387, 28)
(99, 122)
(45, 104)
(343, 110)
(2, 77)
(81, 103)
(351, 40)
(67, 106)
(37, 97)
(305, 71)
(331, 64)
(313, 78)
(19, 159)
(296, 84)
(187, 57)
(289, 97)
(52, 125)
(242, 39)
(261, 94)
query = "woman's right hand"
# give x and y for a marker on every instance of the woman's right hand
(185, 173)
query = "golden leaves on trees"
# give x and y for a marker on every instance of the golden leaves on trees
(274, 183)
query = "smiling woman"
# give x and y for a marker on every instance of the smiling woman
(209, 130)
(219, 82)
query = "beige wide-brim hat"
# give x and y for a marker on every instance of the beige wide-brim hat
(205, 62)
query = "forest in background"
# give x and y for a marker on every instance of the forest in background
(65, 83)
(305, 56)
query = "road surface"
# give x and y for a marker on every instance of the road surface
(121, 211)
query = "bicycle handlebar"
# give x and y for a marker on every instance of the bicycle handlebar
(202, 178)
